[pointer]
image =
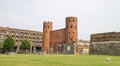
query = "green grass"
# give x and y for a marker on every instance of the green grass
(58, 60)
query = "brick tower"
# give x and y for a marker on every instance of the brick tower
(71, 30)
(47, 28)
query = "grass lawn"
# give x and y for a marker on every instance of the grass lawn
(58, 60)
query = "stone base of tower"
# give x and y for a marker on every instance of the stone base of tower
(69, 48)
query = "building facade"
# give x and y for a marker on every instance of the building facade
(54, 40)
(35, 38)
(83, 46)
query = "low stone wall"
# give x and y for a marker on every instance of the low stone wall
(105, 48)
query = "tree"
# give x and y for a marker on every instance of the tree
(8, 44)
(25, 45)
(1, 47)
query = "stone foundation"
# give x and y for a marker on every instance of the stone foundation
(105, 48)
(69, 49)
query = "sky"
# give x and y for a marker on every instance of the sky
(94, 16)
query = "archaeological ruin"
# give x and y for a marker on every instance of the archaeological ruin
(60, 41)
(105, 43)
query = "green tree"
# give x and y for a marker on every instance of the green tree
(25, 45)
(8, 44)
(1, 47)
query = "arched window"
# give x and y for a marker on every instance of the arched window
(68, 32)
(73, 32)
(73, 20)
(75, 27)
(68, 20)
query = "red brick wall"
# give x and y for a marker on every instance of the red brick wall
(101, 37)
(47, 27)
(57, 36)
(52, 39)
(72, 29)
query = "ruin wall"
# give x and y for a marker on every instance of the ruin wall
(105, 43)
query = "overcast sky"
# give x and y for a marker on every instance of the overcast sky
(94, 16)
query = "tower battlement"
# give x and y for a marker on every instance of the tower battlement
(47, 22)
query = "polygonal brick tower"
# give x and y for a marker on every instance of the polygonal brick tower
(47, 27)
(71, 30)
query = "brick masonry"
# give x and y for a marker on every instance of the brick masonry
(53, 40)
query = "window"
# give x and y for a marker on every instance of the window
(33, 41)
(2, 36)
(17, 33)
(25, 36)
(21, 32)
(37, 34)
(7, 32)
(33, 34)
(68, 20)
(7, 35)
(73, 20)
(12, 33)
(16, 40)
(36, 41)
(33, 38)
(73, 32)
(48, 26)
(75, 39)
(68, 32)
(75, 27)
(40, 41)
(2, 32)
(46, 31)
(37, 38)
(68, 48)
(29, 34)
(71, 26)
(40, 36)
